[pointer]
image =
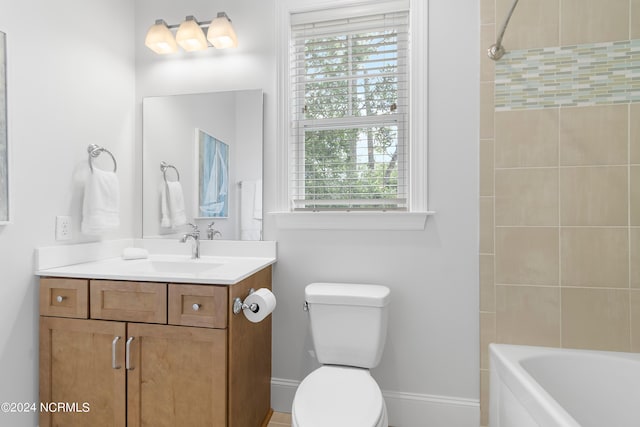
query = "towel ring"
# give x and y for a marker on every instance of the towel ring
(164, 166)
(94, 151)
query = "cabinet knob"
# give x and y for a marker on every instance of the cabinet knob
(196, 307)
(60, 298)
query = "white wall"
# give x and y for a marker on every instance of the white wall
(70, 83)
(432, 349)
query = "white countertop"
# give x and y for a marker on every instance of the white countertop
(224, 270)
(63, 261)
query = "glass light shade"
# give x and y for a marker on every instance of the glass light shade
(159, 39)
(221, 33)
(190, 36)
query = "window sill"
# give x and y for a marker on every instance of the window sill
(401, 221)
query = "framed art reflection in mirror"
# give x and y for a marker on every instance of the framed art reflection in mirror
(213, 176)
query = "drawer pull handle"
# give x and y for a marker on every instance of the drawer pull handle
(114, 363)
(60, 298)
(196, 307)
(128, 355)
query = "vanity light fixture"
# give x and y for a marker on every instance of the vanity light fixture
(191, 35)
(160, 39)
(221, 34)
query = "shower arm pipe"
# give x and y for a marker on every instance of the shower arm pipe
(496, 50)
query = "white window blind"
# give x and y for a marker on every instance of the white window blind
(349, 112)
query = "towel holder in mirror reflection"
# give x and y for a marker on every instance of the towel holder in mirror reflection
(164, 166)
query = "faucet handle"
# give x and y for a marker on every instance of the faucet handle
(210, 226)
(194, 229)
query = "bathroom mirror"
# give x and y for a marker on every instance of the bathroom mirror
(4, 159)
(202, 163)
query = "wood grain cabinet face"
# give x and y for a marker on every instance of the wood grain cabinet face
(76, 366)
(198, 305)
(64, 297)
(153, 354)
(181, 365)
(129, 301)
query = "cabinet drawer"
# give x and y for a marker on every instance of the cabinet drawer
(64, 297)
(198, 305)
(128, 301)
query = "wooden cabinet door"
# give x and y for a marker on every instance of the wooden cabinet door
(76, 367)
(176, 376)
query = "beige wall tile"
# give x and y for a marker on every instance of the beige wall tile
(528, 315)
(486, 225)
(635, 194)
(487, 336)
(634, 114)
(635, 320)
(527, 138)
(596, 319)
(634, 31)
(486, 167)
(487, 12)
(526, 196)
(594, 196)
(487, 107)
(594, 135)
(484, 397)
(592, 21)
(487, 287)
(527, 255)
(595, 257)
(487, 65)
(533, 24)
(634, 257)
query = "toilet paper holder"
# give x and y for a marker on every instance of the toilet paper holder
(239, 305)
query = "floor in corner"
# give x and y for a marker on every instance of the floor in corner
(280, 419)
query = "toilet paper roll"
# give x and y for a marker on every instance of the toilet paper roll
(265, 302)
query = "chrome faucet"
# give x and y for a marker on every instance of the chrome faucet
(195, 236)
(212, 232)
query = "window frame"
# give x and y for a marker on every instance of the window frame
(414, 218)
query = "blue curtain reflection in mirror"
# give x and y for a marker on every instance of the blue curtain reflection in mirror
(213, 181)
(4, 161)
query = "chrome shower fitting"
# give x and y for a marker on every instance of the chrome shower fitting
(496, 50)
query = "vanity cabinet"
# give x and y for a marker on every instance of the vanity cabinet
(153, 354)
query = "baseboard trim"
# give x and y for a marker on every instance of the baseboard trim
(405, 409)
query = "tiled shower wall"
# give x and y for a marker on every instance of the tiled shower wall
(560, 177)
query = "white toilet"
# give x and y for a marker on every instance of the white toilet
(349, 328)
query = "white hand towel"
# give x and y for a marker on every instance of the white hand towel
(250, 227)
(257, 200)
(134, 253)
(172, 201)
(101, 204)
(165, 215)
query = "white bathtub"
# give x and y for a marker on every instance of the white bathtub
(551, 387)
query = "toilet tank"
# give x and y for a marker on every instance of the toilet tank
(348, 322)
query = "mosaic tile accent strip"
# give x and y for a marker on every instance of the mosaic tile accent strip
(569, 76)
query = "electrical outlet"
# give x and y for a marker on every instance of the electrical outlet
(63, 228)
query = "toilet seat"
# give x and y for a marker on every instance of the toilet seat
(339, 396)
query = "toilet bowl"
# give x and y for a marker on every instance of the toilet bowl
(348, 326)
(339, 396)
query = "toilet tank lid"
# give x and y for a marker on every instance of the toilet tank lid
(347, 294)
